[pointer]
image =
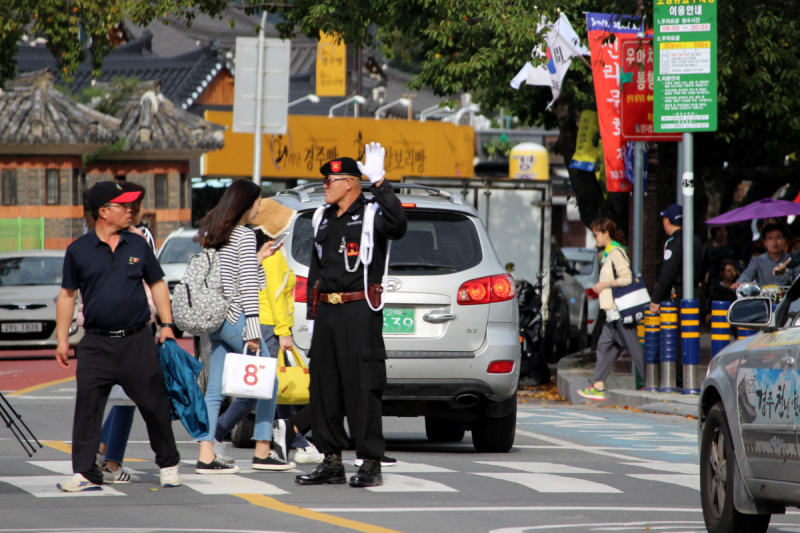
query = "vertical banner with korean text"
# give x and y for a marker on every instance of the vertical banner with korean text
(331, 66)
(607, 88)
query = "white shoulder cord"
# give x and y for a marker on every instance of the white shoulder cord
(367, 247)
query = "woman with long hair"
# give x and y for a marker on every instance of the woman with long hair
(242, 277)
(615, 272)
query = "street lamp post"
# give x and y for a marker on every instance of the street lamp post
(313, 98)
(433, 110)
(405, 102)
(357, 98)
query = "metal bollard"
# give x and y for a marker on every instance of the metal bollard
(652, 348)
(638, 381)
(745, 332)
(690, 344)
(720, 329)
(669, 346)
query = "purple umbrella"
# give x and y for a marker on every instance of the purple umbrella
(766, 208)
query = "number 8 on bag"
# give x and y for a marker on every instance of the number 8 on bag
(244, 377)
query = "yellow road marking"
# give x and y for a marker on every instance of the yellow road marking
(129, 460)
(275, 505)
(59, 445)
(41, 386)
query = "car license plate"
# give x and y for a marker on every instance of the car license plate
(398, 321)
(21, 327)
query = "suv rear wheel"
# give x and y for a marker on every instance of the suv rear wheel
(242, 434)
(443, 429)
(717, 464)
(495, 435)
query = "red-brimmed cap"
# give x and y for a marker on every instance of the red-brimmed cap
(104, 192)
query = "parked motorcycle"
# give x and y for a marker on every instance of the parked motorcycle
(531, 330)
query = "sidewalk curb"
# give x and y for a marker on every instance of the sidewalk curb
(569, 383)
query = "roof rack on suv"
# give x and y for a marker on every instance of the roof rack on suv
(302, 192)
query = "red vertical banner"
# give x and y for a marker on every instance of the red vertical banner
(608, 89)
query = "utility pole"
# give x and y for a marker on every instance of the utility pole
(258, 133)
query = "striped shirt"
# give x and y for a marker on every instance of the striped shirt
(239, 259)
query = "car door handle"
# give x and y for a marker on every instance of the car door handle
(438, 318)
(787, 361)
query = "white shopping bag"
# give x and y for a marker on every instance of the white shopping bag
(245, 376)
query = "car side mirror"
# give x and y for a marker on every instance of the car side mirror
(751, 312)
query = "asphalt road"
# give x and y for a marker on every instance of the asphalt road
(572, 469)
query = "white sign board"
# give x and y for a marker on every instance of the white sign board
(277, 56)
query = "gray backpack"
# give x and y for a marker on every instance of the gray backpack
(199, 305)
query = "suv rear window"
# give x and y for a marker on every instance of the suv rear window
(435, 243)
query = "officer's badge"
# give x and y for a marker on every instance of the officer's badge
(319, 249)
(352, 249)
(667, 254)
(336, 166)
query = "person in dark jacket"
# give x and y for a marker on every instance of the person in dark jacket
(348, 356)
(670, 281)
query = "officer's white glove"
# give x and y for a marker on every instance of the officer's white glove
(372, 168)
(311, 329)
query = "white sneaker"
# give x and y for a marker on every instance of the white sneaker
(171, 476)
(123, 475)
(309, 454)
(219, 451)
(78, 483)
(100, 461)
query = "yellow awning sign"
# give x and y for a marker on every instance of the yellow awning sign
(432, 149)
(331, 66)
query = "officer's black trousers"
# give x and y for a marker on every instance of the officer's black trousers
(348, 374)
(132, 362)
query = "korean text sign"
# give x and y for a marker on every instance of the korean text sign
(685, 36)
(331, 66)
(637, 93)
(607, 88)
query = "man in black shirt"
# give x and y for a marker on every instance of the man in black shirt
(108, 265)
(670, 281)
(347, 351)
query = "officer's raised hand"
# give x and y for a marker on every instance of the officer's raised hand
(372, 168)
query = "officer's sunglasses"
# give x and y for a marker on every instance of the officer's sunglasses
(125, 206)
(327, 181)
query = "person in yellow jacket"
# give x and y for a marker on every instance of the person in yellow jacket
(276, 317)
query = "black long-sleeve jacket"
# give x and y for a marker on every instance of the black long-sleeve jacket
(672, 267)
(339, 238)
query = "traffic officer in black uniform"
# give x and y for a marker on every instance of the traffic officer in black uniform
(347, 351)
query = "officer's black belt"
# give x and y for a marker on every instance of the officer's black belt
(119, 333)
(341, 297)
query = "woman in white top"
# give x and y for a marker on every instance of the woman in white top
(616, 335)
(223, 229)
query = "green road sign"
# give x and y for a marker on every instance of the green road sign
(685, 91)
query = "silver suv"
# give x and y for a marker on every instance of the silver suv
(450, 321)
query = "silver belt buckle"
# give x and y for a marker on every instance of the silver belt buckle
(117, 334)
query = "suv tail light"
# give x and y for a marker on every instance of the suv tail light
(300, 290)
(591, 294)
(500, 367)
(486, 290)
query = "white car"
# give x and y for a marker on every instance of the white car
(585, 261)
(30, 281)
(174, 256)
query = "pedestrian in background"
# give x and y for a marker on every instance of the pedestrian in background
(763, 268)
(671, 281)
(616, 335)
(720, 290)
(224, 229)
(108, 266)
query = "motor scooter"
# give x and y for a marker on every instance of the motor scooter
(533, 364)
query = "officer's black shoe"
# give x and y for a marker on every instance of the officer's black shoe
(369, 475)
(329, 472)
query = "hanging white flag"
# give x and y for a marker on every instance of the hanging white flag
(562, 44)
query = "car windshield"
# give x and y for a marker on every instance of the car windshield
(178, 250)
(17, 271)
(435, 243)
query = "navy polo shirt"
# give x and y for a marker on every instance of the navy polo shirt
(111, 282)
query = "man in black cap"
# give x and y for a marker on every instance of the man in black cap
(670, 282)
(108, 266)
(347, 351)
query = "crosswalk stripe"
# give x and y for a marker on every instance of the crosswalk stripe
(229, 484)
(416, 468)
(541, 468)
(63, 467)
(401, 483)
(675, 468)
(45, 487)
(552, 483)
(246, 467)
(691, 481)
